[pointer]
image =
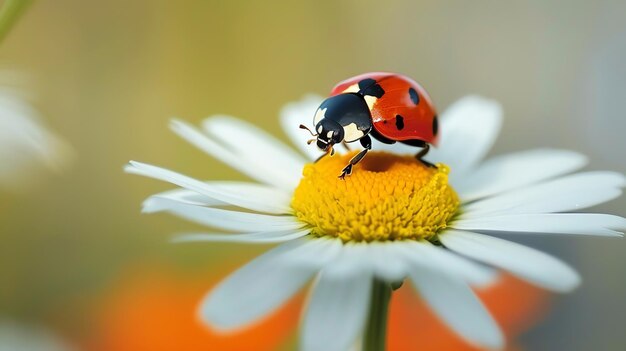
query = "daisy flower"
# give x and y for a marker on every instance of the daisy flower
(25, 143)
(392, 220)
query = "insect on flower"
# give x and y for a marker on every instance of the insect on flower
(395, 221)
(387, 106)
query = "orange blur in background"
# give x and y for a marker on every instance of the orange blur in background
(108, 75)
(157, 311)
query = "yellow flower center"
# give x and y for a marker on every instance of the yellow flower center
(387, 197)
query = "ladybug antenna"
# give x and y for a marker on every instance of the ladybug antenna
(302, 126)
(308, 142)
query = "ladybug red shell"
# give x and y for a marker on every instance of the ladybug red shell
(387, 106)
(403, 112)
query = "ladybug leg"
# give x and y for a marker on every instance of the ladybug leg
(366, 142)
(330, 152)
(423, 153)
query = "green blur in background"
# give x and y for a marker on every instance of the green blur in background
(108, 75)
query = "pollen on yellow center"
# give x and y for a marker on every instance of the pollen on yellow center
(387, 197)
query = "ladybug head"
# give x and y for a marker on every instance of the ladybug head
(329, 133)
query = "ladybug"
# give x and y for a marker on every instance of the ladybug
(387, 106)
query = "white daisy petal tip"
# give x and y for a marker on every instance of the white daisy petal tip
(177, 125)
(491, 339)
(482, 104)
(130, 167)
(563, 194)
(217, 317)
(571, 282)
(532, 265)
(510, 171)
(150, 205)
(136, 167)
(574, 159)
(469, 128)
(457, 305)
(617, 225)
(250, 293)
(301, 112)
(577, 158)
(612, 221)
(495, 342)
(305, 106)
(254, 197)
(594, 224)
(619, 179)
(219, 120)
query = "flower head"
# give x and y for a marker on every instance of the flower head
(392, 197)
(393, 219)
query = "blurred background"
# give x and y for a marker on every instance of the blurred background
(107, 76)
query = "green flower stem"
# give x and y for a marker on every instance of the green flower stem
(10, 11)
(375, 337)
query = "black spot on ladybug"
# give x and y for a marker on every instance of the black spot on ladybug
(369, 86)
(435, 125)
(376, 91)
(399, 122)
(413, 95)
(366, 83)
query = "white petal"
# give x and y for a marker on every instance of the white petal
(228, 219)
(553, 223)
(318, 252)
(254, 144)
(250, 196)
(527, 263)
(512, 171)
(261, 169)
(301, 112)
(263, 284)
(336, 313)
(251, 238)
(26, 145)
(469, 128)
(568, 193)
(353, 259)
(387, 262)
(256, 197)
(457, 305)
(424, 255)
(189, 197)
